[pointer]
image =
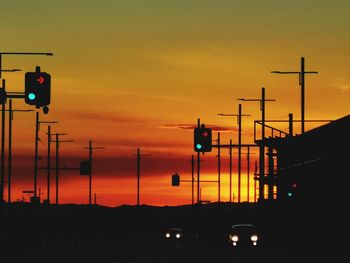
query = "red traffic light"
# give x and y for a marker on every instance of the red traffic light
(40, 80)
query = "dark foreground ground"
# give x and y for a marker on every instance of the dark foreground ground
(72, 233)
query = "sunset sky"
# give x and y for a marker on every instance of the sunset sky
(129, 74)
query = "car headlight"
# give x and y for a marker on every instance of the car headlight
(178, 235)
(234, 238)
(254, 238)
(167, 235)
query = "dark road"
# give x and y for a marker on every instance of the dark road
(136, 234)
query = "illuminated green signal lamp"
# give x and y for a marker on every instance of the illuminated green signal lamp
(31, 96)
(199, 146)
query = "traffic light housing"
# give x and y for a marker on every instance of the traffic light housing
(37, 89)
(292, 190)
(202, 139)
(85, 168)
(175, 180)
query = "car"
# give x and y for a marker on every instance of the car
(244, 236)
(173, 233)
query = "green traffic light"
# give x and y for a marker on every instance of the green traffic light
(290, 194)
(199, 146)
(31, 96)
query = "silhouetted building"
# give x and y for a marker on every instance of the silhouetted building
(311, 168)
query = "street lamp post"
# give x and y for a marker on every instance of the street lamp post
(10, 70)
(21, 53)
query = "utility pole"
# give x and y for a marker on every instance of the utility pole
(248, 172)
(248, 167)
(239, 120)
(57, 160)
(90, 148)
(262, 143)
(230, 170)
(37, 128)
(48, 162)
(192, 172)
(255, 174)
(219, 167)
(239, 150)
(138, 176)
(301, 74)
(138, 173)
(198, 168)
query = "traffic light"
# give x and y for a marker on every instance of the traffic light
(37, 88)
(85, 168)
(292, 190)
(202, 139)
(175, 180)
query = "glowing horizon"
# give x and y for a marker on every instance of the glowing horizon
(130, 75)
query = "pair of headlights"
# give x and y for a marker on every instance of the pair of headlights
(253, 238)
(167, 235)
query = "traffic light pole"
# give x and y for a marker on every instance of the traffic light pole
(36, 153)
